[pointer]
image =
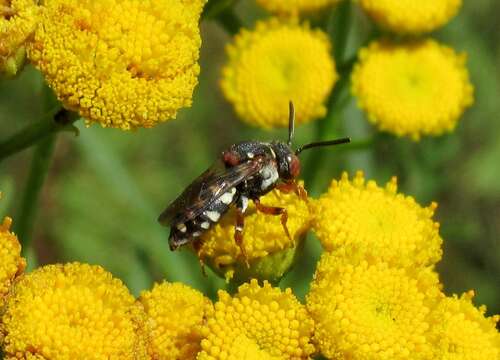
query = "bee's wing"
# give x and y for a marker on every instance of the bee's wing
(207, 188)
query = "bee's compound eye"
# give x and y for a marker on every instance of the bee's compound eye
(294, 166)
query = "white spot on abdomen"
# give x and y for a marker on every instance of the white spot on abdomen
(226, 198)
(205, 225)
(181, 227)
(212, 215)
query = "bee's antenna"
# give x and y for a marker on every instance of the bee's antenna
(291, 122)
(322, 143)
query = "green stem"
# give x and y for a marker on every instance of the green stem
(339, 31)
(39, 167)
(215, 7)
(228, 20)
(51, 123)
(325, 129)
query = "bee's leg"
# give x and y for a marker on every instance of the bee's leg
(238, 232)
(197, 248)
(272, 210)
(290, 186)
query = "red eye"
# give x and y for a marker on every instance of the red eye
(295, 166)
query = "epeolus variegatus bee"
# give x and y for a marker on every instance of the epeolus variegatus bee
(244, 172)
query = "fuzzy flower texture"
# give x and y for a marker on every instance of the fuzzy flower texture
(412, 88)
(18, 19)
(123, 64)
(363, 303)
(12, 264)
(410, 16)
(295, 7)
(274, 63)
(269, 251)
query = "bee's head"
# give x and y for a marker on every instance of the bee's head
(286, 158)
(288, 163)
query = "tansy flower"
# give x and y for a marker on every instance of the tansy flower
(175, 315)
(72, 311)
(123, 64)
(269, 251)
(460, 331)
(259, 322)
(364, 311)
(294, 7)
(11, 262)
(412, 89)
(409, 16)
(18, 19)
(273, 64)
(358, 218)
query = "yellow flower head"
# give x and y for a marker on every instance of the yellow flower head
(72, 311)
(259, 322)
(412, 89)
(269, 251)
(294, 7)
(358, 218)
(18, 19)
(123, 64)
(11, 262)
(410, 16)
(460, 331)
(273, 64)
(364, 311)
(175, 315)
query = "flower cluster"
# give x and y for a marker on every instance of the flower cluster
(80, 311)
(268, 250)
(424, 93)
(18, 19)
(411, 17)
(357, 216)
(259, 322)
(411, 87)
(277, 62)
(123, 64)
(176, 314)
(375, 293)
(11, 262)
(72, 311)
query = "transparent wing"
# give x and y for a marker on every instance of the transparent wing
(207, 188)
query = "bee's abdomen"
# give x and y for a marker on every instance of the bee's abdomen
(183, 233)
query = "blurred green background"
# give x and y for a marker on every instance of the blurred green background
(105, 188)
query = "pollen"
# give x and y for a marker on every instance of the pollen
(412, 88)
(258, 322)
(72, 311)
(461, 331)
(409, 16)
(268, 249)
(11, 262)
(175, 314)
(364, 311)
(295, 7)
(18, 19)
(123, 64)
(274, 63)
(359, 219)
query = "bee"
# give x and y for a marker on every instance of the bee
(244, 172)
